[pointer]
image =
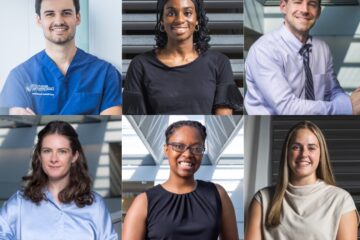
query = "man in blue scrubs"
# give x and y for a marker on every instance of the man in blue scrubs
(62, 79)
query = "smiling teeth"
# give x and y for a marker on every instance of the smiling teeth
(303, 163)
(187, 164)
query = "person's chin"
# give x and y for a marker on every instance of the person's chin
(186, 173)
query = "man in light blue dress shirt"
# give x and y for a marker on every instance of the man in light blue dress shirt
(275, 71)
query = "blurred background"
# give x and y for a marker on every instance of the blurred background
(225, 26)
(265, 135)
(145, 166)
(338, 26)
(100, 137)
(99, 33)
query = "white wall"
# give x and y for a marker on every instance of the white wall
(257, 155)
(105, 32)
(99, 32)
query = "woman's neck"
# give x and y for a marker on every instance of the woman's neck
(56, 186)
(180, 185)
(303, 181)
(179, 48)
(177, 56)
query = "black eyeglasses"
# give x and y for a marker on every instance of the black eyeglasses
(179, 147)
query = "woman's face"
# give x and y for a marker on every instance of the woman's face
(179, 20)
(186, 163)
(56, 157)
(304, 156)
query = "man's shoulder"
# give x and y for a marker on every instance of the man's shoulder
(268, 43)
(89, 58)
(269, 39)
(320, 44)
(30, 64)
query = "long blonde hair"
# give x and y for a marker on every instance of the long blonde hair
(323, 171)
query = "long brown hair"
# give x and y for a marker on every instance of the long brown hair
(323, 171)
(79, 187)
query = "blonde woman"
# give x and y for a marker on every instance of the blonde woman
(305, 203)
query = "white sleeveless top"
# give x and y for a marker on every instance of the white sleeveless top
(310, 212)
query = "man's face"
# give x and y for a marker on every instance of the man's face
(58, 19)
(300, 15)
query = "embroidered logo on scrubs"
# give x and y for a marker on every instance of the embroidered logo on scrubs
(40, 90)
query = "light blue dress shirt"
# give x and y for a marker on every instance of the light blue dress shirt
(21, 219)
(275, 78)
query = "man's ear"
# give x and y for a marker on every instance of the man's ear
(283, 6)
(78, 19)
(38, 20)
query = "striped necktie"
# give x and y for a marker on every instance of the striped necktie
(309, 84)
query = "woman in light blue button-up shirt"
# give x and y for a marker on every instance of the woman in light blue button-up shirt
(56, 201)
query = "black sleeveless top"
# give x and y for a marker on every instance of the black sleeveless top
(191, 216)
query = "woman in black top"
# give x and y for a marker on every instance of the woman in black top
(181, 76)
(182, 207)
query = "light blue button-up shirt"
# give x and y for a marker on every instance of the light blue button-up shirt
(275, 78)
(21, 219)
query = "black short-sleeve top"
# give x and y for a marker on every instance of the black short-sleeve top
(191, 216)
(151, 87)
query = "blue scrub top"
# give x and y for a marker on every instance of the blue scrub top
(90, 86)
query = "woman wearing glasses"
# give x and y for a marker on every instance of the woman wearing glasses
(182, 207)
(181, 75)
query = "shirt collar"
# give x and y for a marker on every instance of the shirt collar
(50, 198)
(291, 40)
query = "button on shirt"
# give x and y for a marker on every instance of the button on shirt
(275, 78)
(90, 86)
(22, 219)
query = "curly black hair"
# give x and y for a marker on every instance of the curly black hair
(201, 37)
(195, 124)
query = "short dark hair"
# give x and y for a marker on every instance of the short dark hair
(38, 6)
(79, 187)
(195, 124)
(201, 37)
(319, 2)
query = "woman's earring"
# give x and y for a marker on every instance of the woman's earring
(197, 27)
(162, 28)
